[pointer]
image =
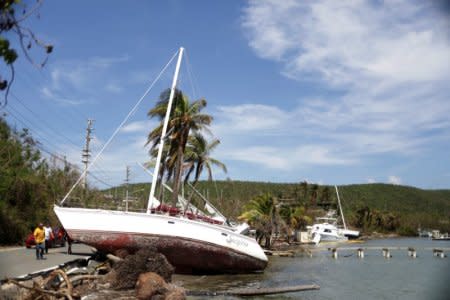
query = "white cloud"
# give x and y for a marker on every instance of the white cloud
(106, 62)
(138, 126)
(50, 94)
(113, 87)
(281, 158)
(248, 117)
(266, 156)
(344, 41)
(394, 180)
(83, 76)
(389, 60)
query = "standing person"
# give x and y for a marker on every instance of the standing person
(48, 236)
(39, 238)
(69, 242)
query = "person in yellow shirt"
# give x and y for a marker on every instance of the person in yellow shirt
(39, 238)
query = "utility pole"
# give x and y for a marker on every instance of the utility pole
(127, 180)
(86, 154)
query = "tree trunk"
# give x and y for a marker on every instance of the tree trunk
(176, 184)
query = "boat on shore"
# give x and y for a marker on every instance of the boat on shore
(327, 229)
(192, 243)
(425, 233)
(436, 235)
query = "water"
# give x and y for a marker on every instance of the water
(348, 277)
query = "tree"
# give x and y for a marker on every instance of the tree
(164, 166)
(184, 118)
(23, 192)
(304, 189)
(314, 194)
(11, 22)
(325, 198)
(261, 213)
(198, 157)
(29, 185)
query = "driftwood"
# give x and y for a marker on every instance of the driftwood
(279, 253)
(77, 278)
(113, 258)
(65, 288)
(255, 291)
(41, 291)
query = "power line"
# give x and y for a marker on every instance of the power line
(26, 125)
(43, 121)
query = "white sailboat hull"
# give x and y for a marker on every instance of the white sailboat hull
(349, 233)
(325, 232)
(189, 245)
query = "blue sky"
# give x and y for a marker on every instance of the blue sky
(332, 92)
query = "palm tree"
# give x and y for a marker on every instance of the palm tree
(198, 157)
(314, 194)
(304, 189)
(165, 165)
(261, 213)
(325, 197)
(184, 118)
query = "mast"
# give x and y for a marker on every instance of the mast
(340, 207)
(163, 133)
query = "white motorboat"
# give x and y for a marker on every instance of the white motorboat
(327, 229)
(191, 242)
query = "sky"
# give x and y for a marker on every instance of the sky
(331, 92)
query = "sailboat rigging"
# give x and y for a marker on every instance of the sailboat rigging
(190, 244)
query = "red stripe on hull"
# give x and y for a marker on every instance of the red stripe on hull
(186, 255)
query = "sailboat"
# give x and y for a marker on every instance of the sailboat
(327, 229)
(351, 234)
(191, 243)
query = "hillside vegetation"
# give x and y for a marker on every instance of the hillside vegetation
(365, 206)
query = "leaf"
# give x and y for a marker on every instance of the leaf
(3, 85)
(10, 56)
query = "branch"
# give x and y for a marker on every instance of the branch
(40, 290)
(31, 11)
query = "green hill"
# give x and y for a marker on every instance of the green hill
(410, 207)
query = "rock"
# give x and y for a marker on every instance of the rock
(109, 277)
(159, 264)
(149, 285)
(175, 293)
(109, 294)
(122, 253)
(145, 260)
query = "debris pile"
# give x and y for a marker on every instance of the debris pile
(144, 275)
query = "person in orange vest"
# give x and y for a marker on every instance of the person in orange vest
(39, 238)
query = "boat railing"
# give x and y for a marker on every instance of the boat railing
(176, 212)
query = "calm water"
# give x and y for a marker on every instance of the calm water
(347, 277)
